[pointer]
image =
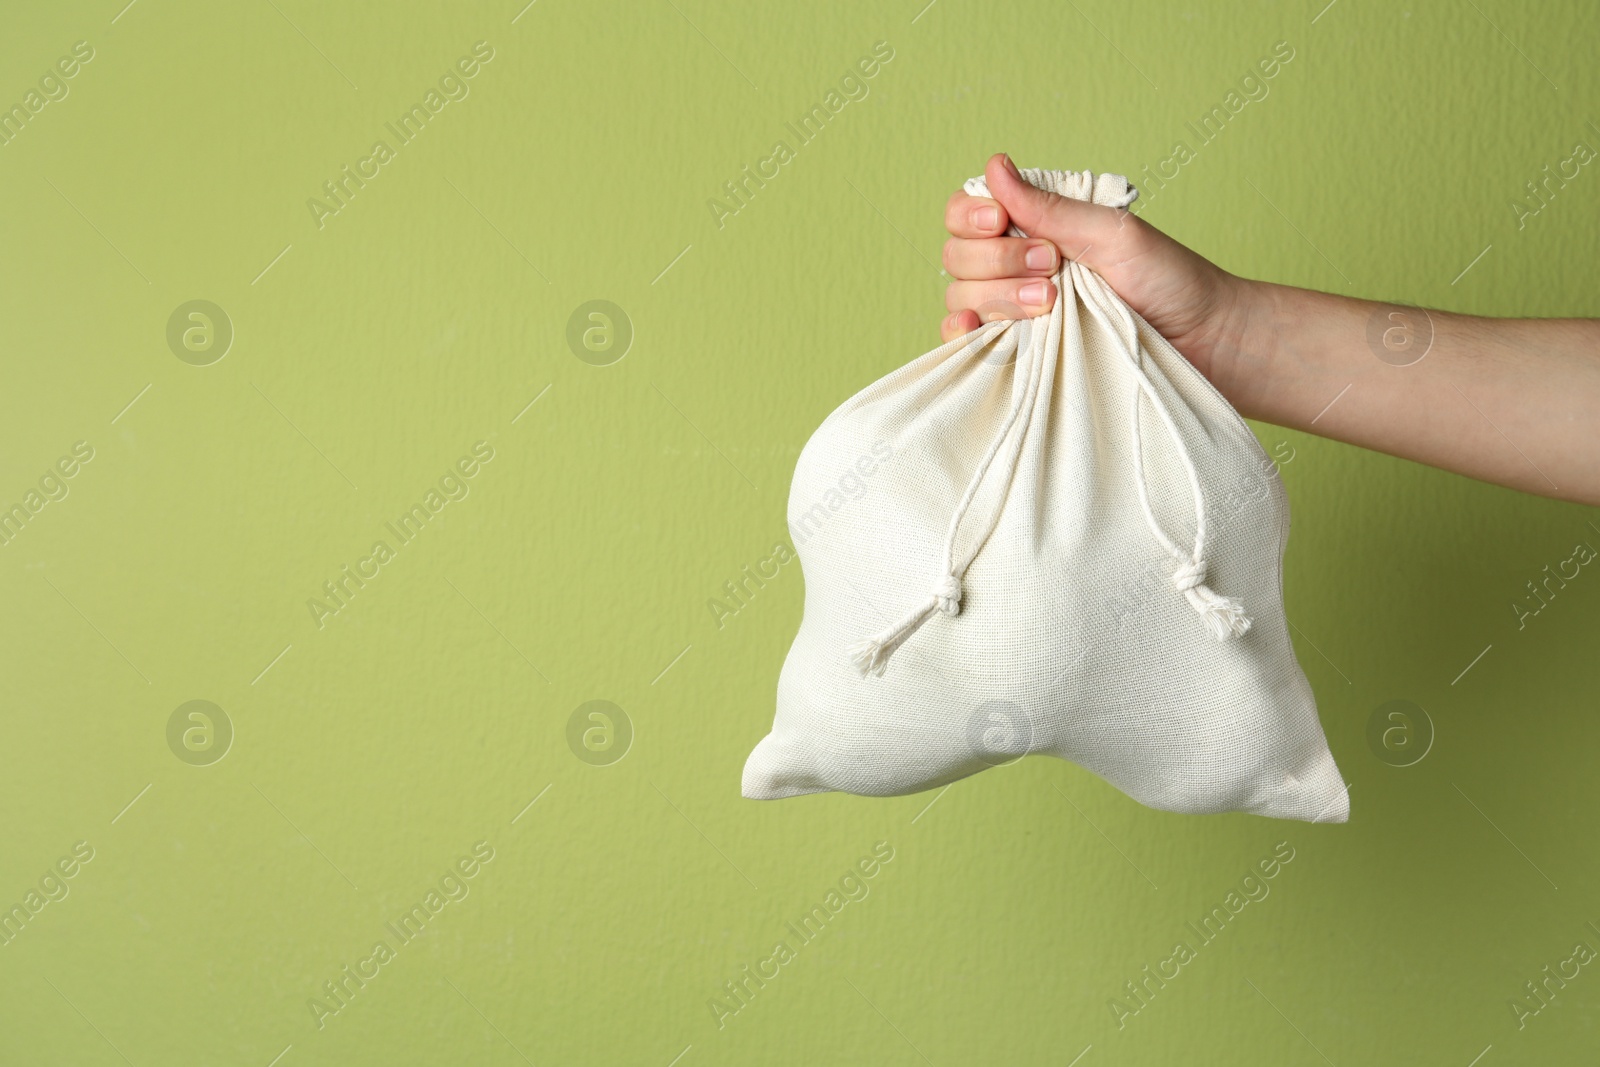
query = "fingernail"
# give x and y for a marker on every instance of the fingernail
(1041, 256)
(1012, 167)
(986, 218)
(1034, 294)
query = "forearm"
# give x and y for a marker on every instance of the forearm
(1510, 401)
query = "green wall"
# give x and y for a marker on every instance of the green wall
(380, 351)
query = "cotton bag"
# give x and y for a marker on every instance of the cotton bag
(1047, 536)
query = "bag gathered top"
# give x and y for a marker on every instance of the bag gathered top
(1065, 541)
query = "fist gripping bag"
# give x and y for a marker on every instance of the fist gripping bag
(1048, 536)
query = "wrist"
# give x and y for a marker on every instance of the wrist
(1239, 349)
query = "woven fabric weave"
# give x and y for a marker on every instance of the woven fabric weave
(1048, 536)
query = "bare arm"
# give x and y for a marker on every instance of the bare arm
(1515, 402)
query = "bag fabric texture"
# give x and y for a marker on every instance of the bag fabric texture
(1047, 536)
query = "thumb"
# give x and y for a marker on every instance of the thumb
(1074, 226)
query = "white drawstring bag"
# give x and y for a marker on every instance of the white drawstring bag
(1048, 536)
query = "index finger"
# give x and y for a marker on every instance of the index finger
(974, 216)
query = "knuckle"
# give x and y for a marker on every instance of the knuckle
(1056, 215)
(997, 258)
(955, 211)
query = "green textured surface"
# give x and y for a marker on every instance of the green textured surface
(372, 752)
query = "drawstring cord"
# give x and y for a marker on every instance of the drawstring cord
(1224, 617)
(871, 656)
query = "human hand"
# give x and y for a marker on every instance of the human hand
(1189, 300)
(1285, 355)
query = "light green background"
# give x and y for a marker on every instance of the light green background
(373, 752)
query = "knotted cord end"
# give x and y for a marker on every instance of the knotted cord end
(1224, 616)
(871, 656)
